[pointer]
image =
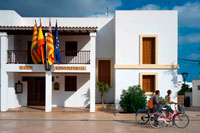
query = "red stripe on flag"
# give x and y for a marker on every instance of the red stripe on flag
(41, 42)
(49, 41)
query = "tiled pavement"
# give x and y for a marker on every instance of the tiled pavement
(80, 120)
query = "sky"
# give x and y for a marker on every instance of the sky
(188, 16)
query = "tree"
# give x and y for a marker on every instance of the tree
(184, 88)
(103, 87)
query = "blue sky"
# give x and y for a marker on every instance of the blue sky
(189, 18)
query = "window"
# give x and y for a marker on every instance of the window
(104, 71)
(148, 83)
(198, 87)
(71, 48)
(70, 83)
(30, 60)
(148, 50)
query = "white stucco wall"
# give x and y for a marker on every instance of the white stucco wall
(14, 100)
(79, 98)
(129, 25)
(10, 18)
(195, 92)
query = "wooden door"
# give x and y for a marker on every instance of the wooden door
(104, 71)
(148, 52)
(36, 92)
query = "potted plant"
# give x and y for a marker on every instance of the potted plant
(103, 87)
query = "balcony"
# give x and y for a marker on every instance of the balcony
(67, 57)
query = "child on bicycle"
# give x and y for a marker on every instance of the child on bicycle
(168, 103)
(156, 101)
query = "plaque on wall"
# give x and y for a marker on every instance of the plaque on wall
(25, 68)
(70, 68)
(56, 86)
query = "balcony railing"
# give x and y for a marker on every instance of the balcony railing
(67, 57)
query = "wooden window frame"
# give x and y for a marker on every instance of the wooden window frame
(111, 69)
(65, 89)
(156, 47)
(156, 80)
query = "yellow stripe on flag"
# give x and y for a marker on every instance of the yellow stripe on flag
(34, 54)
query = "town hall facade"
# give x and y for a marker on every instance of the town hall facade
(131, 48)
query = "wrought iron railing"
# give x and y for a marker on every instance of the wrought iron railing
(67, 57)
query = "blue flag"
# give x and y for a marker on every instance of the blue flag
(57, 47)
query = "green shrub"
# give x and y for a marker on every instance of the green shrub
(133, 99)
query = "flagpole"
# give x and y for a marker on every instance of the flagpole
(47, 48)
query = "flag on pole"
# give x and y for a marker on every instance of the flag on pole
(41, 42)
(50, 44)
(35, 57)
(57, 47)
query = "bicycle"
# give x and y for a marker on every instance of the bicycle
(179, 119)
(142, 116)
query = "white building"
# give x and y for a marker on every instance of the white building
(196, 92)
(133, 47)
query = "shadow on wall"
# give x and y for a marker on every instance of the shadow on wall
(80, 55)
(105, 48)
(106, 41)
(75, 98)
(14, 99)
(87, 98)
(173, 73)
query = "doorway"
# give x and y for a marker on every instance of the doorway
(36, 92)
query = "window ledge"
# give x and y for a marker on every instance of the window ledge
(146, 66)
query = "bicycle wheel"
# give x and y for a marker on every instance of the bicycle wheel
(155, 121)
(142, 117)
(181, 120)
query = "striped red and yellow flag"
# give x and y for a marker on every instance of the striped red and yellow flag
(35, 57)
(41, 42)
(50, 45)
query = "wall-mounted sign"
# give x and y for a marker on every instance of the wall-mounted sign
(70, 68)
(25, 68)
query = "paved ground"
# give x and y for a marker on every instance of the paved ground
(83, 121)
